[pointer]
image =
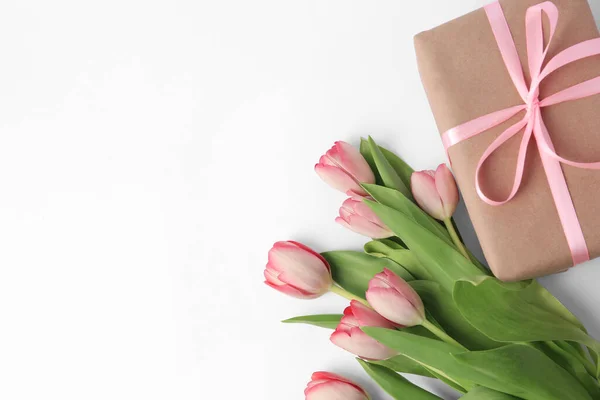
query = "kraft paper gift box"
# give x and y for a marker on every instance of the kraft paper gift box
(465, 77)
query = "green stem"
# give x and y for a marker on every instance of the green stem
(455, 238)
(589, 366)
(346, 294)
(441, 334)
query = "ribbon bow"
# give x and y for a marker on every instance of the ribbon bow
(533, 123)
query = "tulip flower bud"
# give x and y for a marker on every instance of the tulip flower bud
(435, 192)
(344, 169)
(328, 386)
(298, 271)
(350, 337)
(395, 299)
(358, 217)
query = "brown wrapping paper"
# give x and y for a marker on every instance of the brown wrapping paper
(465, 77)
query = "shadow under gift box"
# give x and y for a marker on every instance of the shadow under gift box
(465, 77)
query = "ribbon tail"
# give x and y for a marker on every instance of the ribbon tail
(507, 47)
(560, 193)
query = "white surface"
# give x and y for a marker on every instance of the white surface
(151, 152)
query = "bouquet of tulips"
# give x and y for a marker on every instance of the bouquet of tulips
(421, 303)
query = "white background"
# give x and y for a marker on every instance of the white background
(150, 154)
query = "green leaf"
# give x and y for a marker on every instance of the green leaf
(441, 305)
(408, 260)
(388, 175)
(432, 354)
(403, 170)
(518, 370)
(571, 364)
(379, 247)
(478, 263)
(353, 270)
(539, 295)
(508, 315)
(365, 150)
(329, 321)
(400, 255)
(397, 201)
(521, 371)
(394, 384)
(405, 365)
(483, 393)
(448, 382)
(392, 243)
(441, 259)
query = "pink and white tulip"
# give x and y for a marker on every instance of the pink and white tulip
(349, 336)
(328, 386)
(435, 192)
(395, 299)
(358, 217)
(297, 270)
(344, 169)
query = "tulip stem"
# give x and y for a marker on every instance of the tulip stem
(441, 334)
(455, 238)
(347, 295)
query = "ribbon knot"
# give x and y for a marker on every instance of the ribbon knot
(533, 104)
(532, 124)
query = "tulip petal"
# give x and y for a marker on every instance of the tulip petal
(334, 390)
(446, 187)
(348, 321)
(351, 212)
(426, 195)
(366, 316)
(325, 160)
(272, 276)
(349, 204)
(325, 378)
(353, 162)
(359, 343)
(291, 291)
(388, 303)
(365, 211)
(365, 227)
(299, 268)
(404, 289)
(356, 196)
(343, 223)
(338, 179)
(311, 251)
(345, 213)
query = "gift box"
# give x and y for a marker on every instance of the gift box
(553, 220)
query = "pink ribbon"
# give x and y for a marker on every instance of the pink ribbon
(532, 123)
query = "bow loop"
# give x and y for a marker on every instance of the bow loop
(520, 168)
(534, 30)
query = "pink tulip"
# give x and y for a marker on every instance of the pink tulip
(358, 217)
(350, 337)
(298, 271)
(366, 316)
(328, 386)
(435, 192)
(395, 299)
(344, 169)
